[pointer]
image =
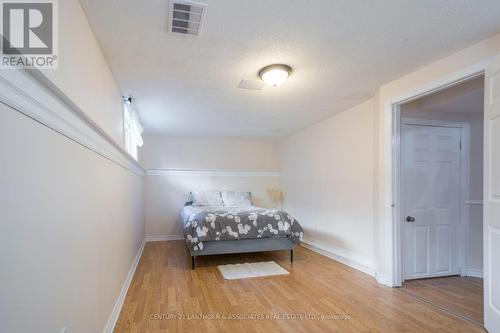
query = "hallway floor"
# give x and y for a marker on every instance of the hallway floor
(461, 296)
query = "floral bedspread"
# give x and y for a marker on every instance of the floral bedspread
(231, 223)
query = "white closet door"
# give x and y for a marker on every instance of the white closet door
(431, 175)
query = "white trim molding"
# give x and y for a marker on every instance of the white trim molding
(308, 244)
(384, 279)
(433, 123)
(110, 325)
(212, 173)
(163, 238)
(32, 94)
(474, 273)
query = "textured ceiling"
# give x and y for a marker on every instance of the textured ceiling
(341, 52)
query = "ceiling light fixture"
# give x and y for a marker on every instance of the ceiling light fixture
(274, 75)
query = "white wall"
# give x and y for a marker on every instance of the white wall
(240, 165)
(165, 196)
(475, 255)
(83, 74)
(208, 154)
(327, 177)
(474, 246)
(72, 220)
(71, 225)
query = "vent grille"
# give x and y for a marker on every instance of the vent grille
(186, 17)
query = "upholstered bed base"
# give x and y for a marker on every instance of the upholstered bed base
(244, 246)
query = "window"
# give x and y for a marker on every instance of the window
(132, 128)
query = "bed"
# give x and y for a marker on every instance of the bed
(213, 226)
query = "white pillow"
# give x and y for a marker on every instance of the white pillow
(234, 198)
(206, 198)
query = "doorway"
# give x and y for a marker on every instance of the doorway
(440, 197)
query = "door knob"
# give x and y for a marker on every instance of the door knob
(410, 219)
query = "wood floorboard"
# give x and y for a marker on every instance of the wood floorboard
(167, 296)
(460, 295)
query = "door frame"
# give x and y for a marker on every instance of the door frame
(463, 228)
(396, 217)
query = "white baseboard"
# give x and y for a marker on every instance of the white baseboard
(110, 326)
(163, 238)
(474, 273)
(384, 279)
(328, 253)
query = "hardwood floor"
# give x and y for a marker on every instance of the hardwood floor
(164, 286)
(460, 295)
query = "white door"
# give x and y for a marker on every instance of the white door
(492, 198)
(430, 172)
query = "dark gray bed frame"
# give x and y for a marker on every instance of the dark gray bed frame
(244, 246)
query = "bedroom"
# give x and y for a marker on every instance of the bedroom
(138, 113)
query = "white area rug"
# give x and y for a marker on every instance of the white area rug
(249, 270)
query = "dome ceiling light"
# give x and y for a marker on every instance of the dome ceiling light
(274, 75)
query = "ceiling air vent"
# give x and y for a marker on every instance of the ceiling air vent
(186, 17)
